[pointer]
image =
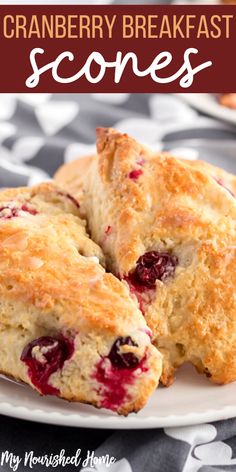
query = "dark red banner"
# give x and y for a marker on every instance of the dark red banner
(117, 48)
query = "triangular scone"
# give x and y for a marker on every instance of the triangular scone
(168, 230)
(67, 327)
(71, 175)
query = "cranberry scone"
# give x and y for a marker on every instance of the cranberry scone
(71, 175)
(167, 230)
(67, 328)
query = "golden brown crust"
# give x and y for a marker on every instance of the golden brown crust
(51, 282)
(71, 176)
(180, 208)
(225, 179)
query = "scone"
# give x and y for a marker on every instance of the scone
(167, 230)
(228, 100)
(71, 175)
(68, 328)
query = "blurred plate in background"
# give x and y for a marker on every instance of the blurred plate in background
(207, 103)
(221, 153)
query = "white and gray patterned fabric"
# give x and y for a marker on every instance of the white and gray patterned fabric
(39, 132)
(203, 448)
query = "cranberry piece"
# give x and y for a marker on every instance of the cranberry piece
(70, 197)
(114, 382)
(141, 162)
(44, 356)
(222, 184)
(7, 212)
(121, 360)
(135, 174)
(32, 211)
(108, 230)
(153, 266)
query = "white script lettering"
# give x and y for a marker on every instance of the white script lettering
(161, 61)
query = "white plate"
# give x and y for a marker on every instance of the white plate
(207, 103)
(191, 400)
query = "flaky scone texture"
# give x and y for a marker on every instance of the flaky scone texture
(139, 203)
(66, 326)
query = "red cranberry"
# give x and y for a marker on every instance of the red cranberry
(70, 197)
(135, 174)
(108, 230)
(222, 184)
(152, 266)
(32, 211)
(121, 360)
(50, 356)
(141, 162)
(7, 212)
(114, 381)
